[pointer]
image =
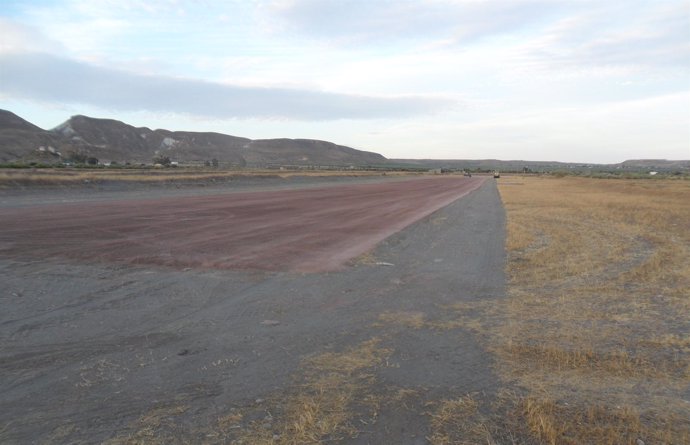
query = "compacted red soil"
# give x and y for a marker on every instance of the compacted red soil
(304, 230)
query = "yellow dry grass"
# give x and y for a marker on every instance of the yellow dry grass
(63, 176)
(557, 423)
(153, 428)
(332, 391)
(595, 326)
(365, 259)
(335, 389)
(469, 315)
(515, 418)
(410, 319)
(459, 422)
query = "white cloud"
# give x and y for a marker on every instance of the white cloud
(655, 127)
(83, 29)
(640, 35)
(440, 78)
(355, 22)
(21, 38)
(51, 79)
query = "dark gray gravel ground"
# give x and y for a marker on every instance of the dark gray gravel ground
(87, 349)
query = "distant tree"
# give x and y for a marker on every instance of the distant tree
(162, 160)
(214, 162)
(78, 157)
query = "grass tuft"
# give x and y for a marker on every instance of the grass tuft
(459, 422)
(336, 389)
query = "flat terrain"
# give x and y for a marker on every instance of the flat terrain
(418, 310)
(247, 317)
(597, 314)
(307, 230)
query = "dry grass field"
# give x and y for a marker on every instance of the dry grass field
(592, 343)
(596, 327)
(66, 176)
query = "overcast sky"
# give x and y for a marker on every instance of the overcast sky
(582, 81)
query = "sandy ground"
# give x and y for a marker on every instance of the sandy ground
(98, 327)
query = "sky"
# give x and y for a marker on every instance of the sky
(551, 80)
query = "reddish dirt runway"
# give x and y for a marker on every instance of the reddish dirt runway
(305, 230)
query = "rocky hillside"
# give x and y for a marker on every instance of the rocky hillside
(20, 139)
(109, 140)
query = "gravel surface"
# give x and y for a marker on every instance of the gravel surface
(305, 230)
(88, 347)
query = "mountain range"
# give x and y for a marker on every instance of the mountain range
(632, 165)
(112, 141)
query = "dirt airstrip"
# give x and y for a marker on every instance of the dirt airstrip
(300, 230)
(207, 318)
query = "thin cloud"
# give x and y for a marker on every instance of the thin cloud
(596, 33)
(18, 37)
(47, 78)
(354, 22)
(651, 36)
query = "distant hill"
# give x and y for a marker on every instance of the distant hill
(110, 140)
(640, 165)
(660, 164)
(20, 139)
(10, 121)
